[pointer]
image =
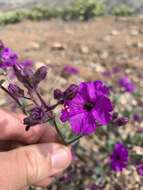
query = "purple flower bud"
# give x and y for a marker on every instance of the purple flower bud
(25, 76)
(58, 94)
(115, 115)
(139, 169)
(15, 90)
(122, 121)
(37, 113)
(71, 92)
(40, 74)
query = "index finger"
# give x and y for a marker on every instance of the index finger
(12, 128)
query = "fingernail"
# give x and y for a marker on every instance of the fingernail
(60, 159)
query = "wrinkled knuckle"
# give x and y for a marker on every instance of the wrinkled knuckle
(33, 166)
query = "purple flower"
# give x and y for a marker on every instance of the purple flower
(89, 107)
(127, 84)
(139, 169)
(119, 157)
(7, 58)
(69, 70)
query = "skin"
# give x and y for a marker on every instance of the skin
(29, 158)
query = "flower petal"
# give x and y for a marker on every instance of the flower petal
(83, 124)
(87, 90)
(101, 111)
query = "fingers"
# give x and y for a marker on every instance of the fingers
(12, 128)
(31, 164)
(45, 182)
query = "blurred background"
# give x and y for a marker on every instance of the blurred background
(84, 40)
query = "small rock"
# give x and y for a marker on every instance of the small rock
(58, 46)
(39, 64)
(125, 56)
(141, 30)
(84, 49)
(115, 32)
(77, 62)
(99, 68)
(140, 45)
(104, 55)
(128, 43)
(134, 32)
(107, 38)
(141, 124)
(34, 45)
(61, 81)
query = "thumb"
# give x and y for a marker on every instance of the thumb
(31, 164)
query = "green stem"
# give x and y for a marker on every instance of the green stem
(59, 132)
(74, 140)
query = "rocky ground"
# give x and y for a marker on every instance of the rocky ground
(93, 47)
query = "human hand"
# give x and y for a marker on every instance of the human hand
(29, 158)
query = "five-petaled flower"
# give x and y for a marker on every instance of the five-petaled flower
(119, 157)
(90, 106)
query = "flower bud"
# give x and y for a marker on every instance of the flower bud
(58, 94)
(115, 115)
(15, 90)
(25, 76)
(71, 92)
(122, 121)
(40, 74)
(37, 113)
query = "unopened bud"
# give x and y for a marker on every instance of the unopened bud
(15, 90)
(40, 74)
(71, 92)
(122, 121)
(58, 94)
